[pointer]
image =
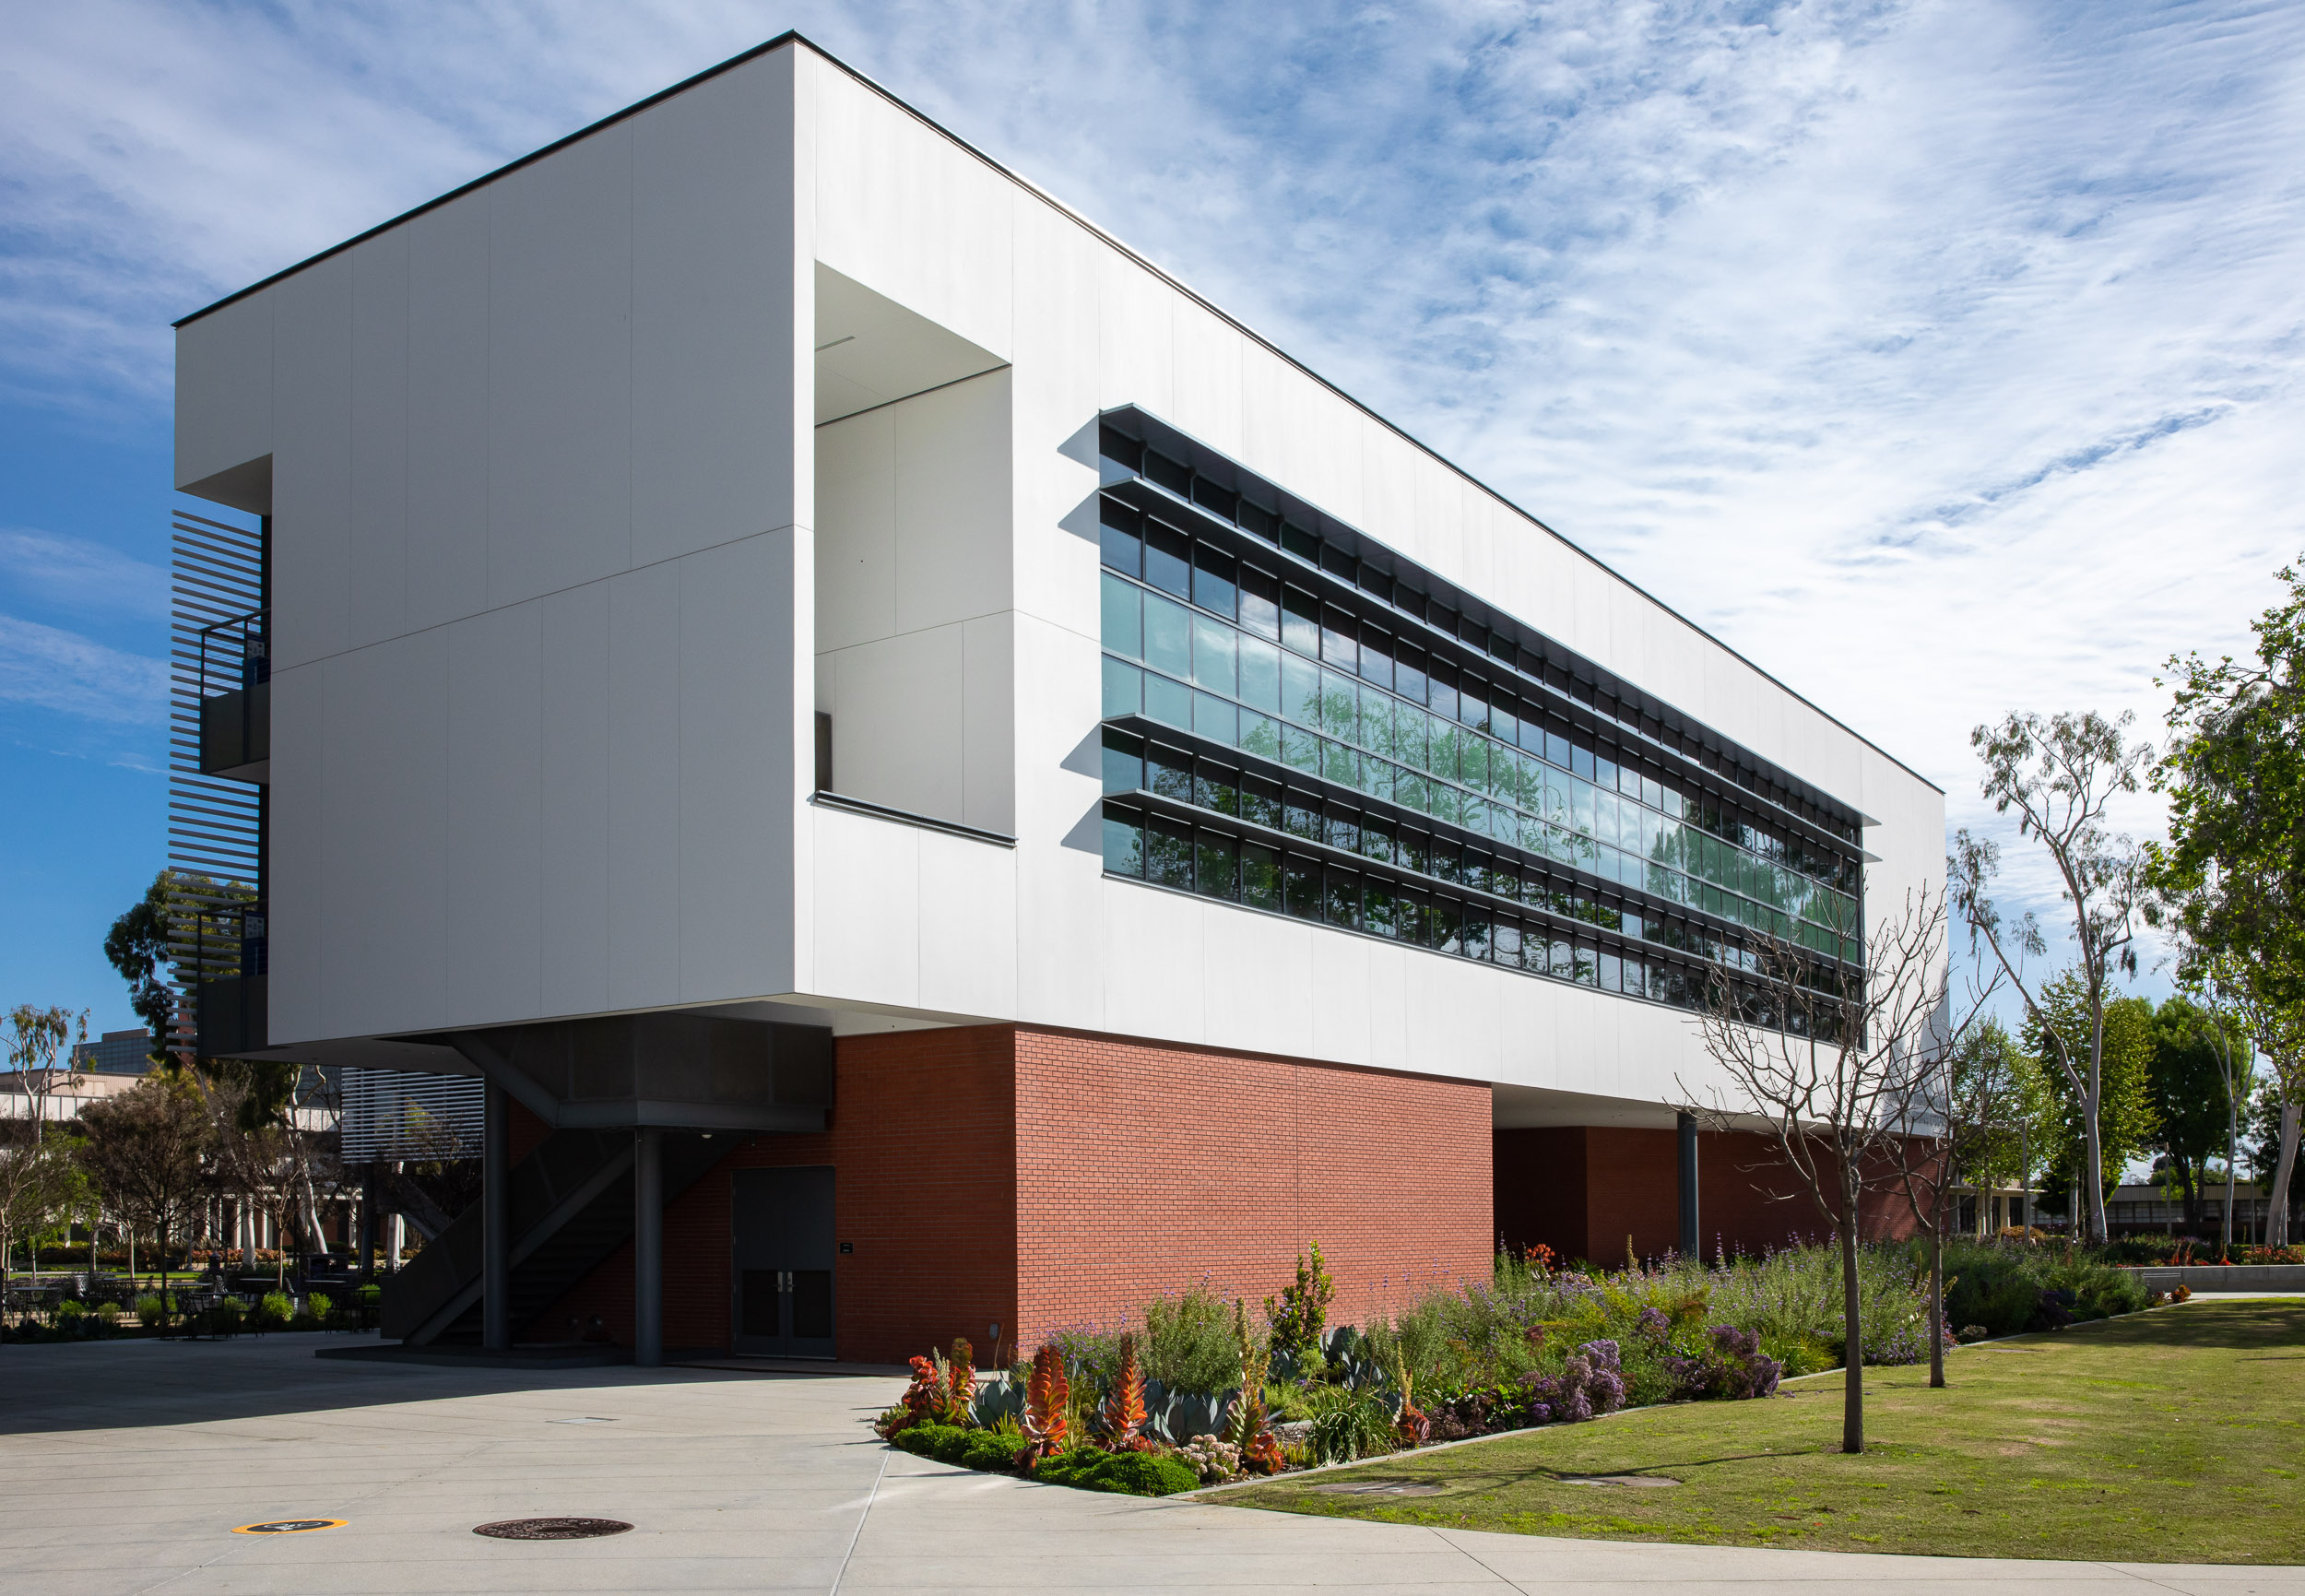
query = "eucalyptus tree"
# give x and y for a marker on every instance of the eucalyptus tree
(2232, 872)
(2059, 775)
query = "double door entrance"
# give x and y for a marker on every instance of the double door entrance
(783, 1230)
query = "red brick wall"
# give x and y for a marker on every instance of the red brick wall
(1039, 1178)
(921, 1142)
(1143, 1168)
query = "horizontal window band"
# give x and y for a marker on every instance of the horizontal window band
(833, 800)
(1704, 783)
(1152, 499)
(1550, 920)
(1704, 972)
(1162, 732)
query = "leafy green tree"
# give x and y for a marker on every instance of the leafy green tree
(2123, 1122)
(2059, 775)
(2232, 872)
(137, 947)
(144, 1152)
(2185, 1084)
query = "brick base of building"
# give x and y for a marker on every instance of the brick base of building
(1038, 1179)
(1604, 1194)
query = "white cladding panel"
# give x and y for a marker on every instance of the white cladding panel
(541, 676)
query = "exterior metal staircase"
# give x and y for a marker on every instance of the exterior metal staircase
(572, 1207)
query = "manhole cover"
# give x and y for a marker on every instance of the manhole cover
(1379, 1488)
(1616, 1479)
(287, 1526)
(552, 1529)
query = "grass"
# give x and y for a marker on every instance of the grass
(2169, 1436)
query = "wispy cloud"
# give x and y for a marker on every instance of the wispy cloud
(1944, 356)
(49, 669)
(79, 574)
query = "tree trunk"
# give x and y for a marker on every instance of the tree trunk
(2093, 1110)
(1853, 1332)
(2232, 1139)
(2278, 1199)
(1936, 1307)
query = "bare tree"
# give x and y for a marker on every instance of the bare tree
(1954, 1110)
(1823, 1060)
(2061, 774)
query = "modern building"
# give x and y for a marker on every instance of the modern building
(942, 782)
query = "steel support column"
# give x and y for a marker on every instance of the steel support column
(496, 1220)
(366, 1242)
(648, 1249)
(1691, 1241)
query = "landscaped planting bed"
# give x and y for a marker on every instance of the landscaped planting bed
(1196, 1389)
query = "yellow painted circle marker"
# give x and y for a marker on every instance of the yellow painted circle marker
(287, 1526)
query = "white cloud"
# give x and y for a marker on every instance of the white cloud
(1943, 357)
(81, 574)
(49, 669)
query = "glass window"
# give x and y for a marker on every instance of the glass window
(1300, 543)
(1260, 521)
(1340, 763)
(1168, 702)
(1217, 718)
(1344, 828)
(1167, 636)
(1408, 674)
(1119, 539)
(1124, 763)
(1124, 688)
(1124, 843)
(1300, 749)
(1448, 926)
(1118, 446)
(1216, 872)
(1259, 675)
(1340, 705)
(1416, 851)
(1122, 628)
(1557, 749)
(1604, 773)
(1213, 664)
(1260, 602)
(1169, 773)
(1472, 762)
(1379, 908)
(1446, 860)
(1260, 734)
(1259, 876)
(1303, 817)
(1260, 801)
(1606, 817)
(1168, 852)
(1222, 500)
(1505, 943)
(1338, 646)
(1411, 745)
(1341, 906)
(1587, 968)
(1413, 917)
(1300, 622)
(1441, 691)
(1580, 760)
(1215, 787)
(1377, 839)
(1300, 887)
(1168, 560)
(1474, 939)
(1212, 585)
(1473, 703)
(1652, 792)
(1580, 807)
(1300, 690)
(1376, 656)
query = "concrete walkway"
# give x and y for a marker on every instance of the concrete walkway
(125, 1467)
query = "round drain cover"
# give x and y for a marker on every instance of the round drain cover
(552, 1529)
(287, 1526)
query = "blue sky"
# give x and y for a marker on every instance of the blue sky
(1944, 358)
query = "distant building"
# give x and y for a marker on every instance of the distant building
(115, 1052)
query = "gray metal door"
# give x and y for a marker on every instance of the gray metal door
(783, 1230)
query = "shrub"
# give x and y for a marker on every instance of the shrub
(988, 1449)
(319, 1305)
(1302, 1313)
(1187, 1343)
(1127, 1473)
(1731, 1366)
(946, 1443)
(1349, 1424)
(152, 1311)
(1589, 1383)
(274, 1309)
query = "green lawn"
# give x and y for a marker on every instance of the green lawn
(2169, 1436)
